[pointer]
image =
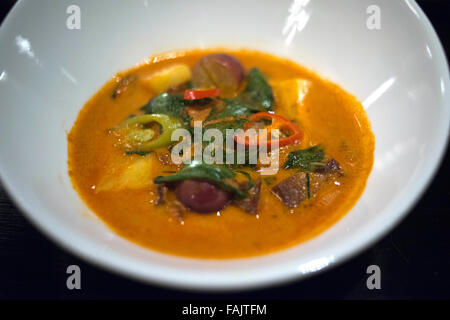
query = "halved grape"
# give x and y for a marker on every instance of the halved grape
(218, 70)
(202, 196)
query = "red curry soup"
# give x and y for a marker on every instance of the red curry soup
(153, 190)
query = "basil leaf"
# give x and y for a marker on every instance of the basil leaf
(232, 108)
(218, 174)
(258, 93)
(168, 104)
(305, 159)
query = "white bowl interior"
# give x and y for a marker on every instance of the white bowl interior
(47, 73)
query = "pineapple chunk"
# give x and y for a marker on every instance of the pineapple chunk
(290, 93)
(169, 77)
(134, 176)
(137, 175)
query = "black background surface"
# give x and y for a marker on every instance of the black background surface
(414, 258)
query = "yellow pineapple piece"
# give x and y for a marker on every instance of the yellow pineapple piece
(124, 175)
(290, 93)
(169, 77)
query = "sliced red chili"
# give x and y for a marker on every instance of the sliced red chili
(277, 122)
(201, 94)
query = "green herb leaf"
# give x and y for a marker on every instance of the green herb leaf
(233, 108)
(258, 93)
(218, 174)
(168, 104)
(305, 159)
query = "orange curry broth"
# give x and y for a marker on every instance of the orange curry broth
(328, 115)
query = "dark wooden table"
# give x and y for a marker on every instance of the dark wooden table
(414, 258)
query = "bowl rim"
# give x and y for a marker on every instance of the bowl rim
(286, 272)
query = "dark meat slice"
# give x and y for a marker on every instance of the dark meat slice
(332, 166)
(294, 189)
(250, 204)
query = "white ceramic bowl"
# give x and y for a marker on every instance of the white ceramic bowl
(48, 72)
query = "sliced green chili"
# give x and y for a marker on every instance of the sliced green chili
(143, 143)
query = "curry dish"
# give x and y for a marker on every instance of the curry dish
(121, 153)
